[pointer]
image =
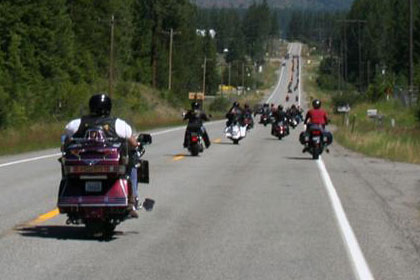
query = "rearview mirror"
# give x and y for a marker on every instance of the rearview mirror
(144, 139)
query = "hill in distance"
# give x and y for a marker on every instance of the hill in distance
(281, 4)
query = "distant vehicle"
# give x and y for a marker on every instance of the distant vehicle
(343, 108)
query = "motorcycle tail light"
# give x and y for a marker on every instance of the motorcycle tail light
(316, 132)
(194, 138)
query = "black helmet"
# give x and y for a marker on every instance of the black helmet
(280, 107)
(100, 104)
(195, 105)
(316, 104)
(235, 104)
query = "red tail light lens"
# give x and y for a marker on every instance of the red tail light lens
(194, 138)
(316, 132)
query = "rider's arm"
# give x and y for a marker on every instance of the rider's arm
(326, 118)
(187, 115)
(204, 117)
(308, 116)
(124, 131)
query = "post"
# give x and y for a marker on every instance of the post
(171, 35)
(411, 49)
(204, 75)
(229, 74)
(111, 57)
(221, 82)
(345, 54)
(360, 57)
(243, 77)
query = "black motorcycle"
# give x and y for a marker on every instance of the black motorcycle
(315, 141)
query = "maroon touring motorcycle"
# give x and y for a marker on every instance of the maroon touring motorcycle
(95, 189)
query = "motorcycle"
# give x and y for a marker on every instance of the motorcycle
(265, 119)
(95, 189)
(279, 130)
(235, 131)
(248, 121)
(195, 144)
(293, 122)
(315, 141)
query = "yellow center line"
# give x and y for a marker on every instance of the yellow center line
(217, 140)
(178, 157)
(45, 217)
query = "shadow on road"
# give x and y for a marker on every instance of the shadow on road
(224, 143)
(67, 233)
(299, 158)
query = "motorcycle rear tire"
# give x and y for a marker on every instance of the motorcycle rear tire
(315, 154)
(236, 141)
(195, 149)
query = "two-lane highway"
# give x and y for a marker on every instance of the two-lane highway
(257, 210)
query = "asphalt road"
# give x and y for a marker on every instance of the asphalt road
(257, 210)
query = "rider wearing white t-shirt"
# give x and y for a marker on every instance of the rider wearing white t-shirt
(100, 108)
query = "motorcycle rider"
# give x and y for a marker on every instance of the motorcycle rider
(248, 114)
(273, 109)
(235, 113)
(266, 109)
(195, 118)
(100, 106)
(316, 118)
(293, 113)
(280, 116)
(247, 109)
(265, 112)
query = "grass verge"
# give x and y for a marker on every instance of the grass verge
(395, 137)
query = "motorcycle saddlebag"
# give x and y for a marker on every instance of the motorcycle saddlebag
(303, 138)
(329, 137)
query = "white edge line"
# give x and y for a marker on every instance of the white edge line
(280, 79)
(360, 266)
(59, 154)
(278, 85)
(289, 48)
(29, 159)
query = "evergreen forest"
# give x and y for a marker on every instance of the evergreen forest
(54, 54)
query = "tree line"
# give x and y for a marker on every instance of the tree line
(367, 47)
(55, 53)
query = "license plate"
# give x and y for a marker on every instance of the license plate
(316, 139)
(93, 186)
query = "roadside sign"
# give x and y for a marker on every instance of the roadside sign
(372, 113)
(196, 96)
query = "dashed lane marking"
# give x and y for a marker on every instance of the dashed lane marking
(178, 157)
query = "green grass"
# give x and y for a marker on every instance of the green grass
(366, 135)
(148, 109)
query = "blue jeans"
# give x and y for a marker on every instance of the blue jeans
(133, 179)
